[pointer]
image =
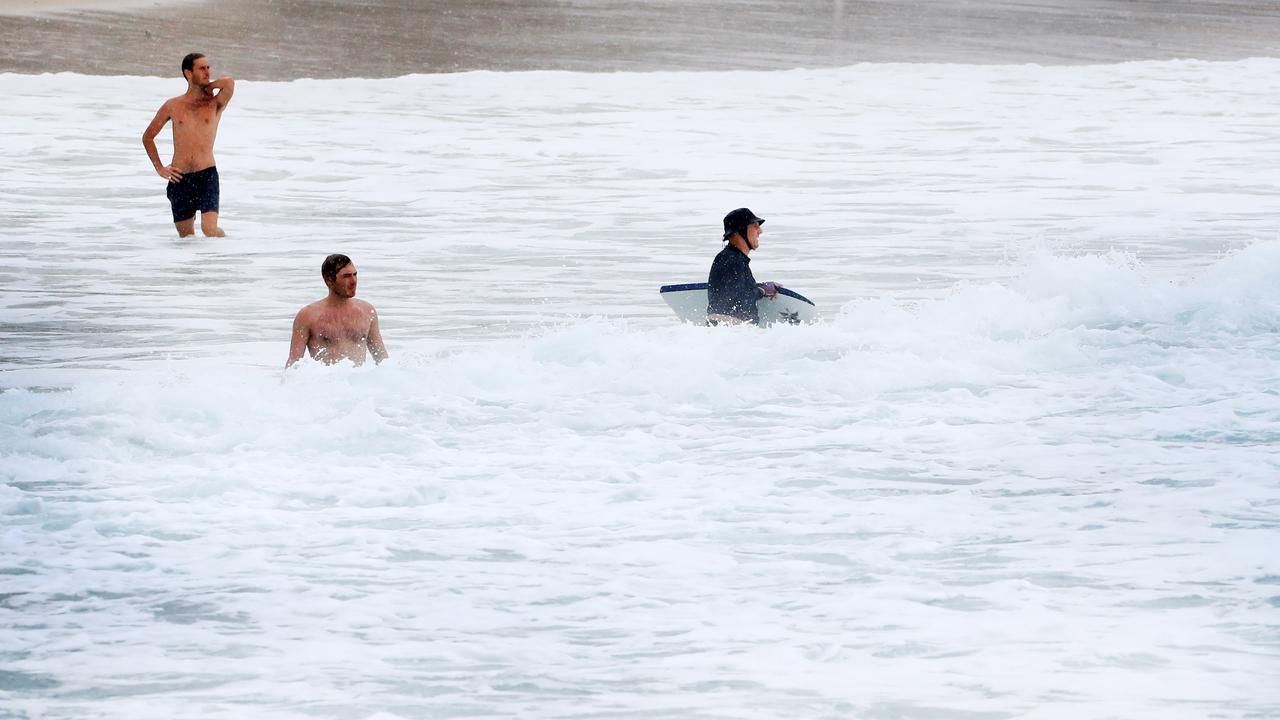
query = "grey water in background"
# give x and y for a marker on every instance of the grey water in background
(288, 39)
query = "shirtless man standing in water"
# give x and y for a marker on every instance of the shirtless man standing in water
(338, 327)
(192, 176)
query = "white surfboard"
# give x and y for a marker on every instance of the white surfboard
(789, 307)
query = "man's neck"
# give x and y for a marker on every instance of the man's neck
(741, 244)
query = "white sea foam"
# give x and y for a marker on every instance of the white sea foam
(1024, 467)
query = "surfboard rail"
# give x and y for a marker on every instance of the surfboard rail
(703, 286)
(689, 301)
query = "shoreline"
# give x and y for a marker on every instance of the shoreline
(292, 39)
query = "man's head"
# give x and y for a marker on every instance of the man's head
(195, 68)
(339, 275)
(745, 224)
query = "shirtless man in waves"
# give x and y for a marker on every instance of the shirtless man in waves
(192, 176)
(337, 327)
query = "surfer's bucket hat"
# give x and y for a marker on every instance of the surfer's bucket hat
(738, 220)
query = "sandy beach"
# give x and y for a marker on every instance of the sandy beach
(49, 7)
(290, 39)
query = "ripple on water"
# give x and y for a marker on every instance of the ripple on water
(13, 681)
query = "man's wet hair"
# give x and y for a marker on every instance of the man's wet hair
(332, 264)
(189, 62)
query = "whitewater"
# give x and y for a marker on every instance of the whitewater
(1027, 465)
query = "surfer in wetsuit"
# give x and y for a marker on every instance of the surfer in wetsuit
(192, 175)
(732, 290)
(338, 327)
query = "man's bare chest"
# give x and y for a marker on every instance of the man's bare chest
(350, 327)
(195, 118)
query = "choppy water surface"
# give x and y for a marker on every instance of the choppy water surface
(1025, 467)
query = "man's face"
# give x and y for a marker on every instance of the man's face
(753, 235)
(344, 285)
(200, 72)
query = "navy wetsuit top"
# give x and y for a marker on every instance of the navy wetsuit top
(731, 288)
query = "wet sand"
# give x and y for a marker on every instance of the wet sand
(287, 39)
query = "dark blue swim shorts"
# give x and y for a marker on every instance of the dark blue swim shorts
(195, 191)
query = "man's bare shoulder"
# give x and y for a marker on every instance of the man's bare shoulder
(309, 311)
(166, 108)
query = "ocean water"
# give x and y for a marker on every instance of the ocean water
(1026, 466)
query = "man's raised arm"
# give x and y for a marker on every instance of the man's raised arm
(226, 87)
